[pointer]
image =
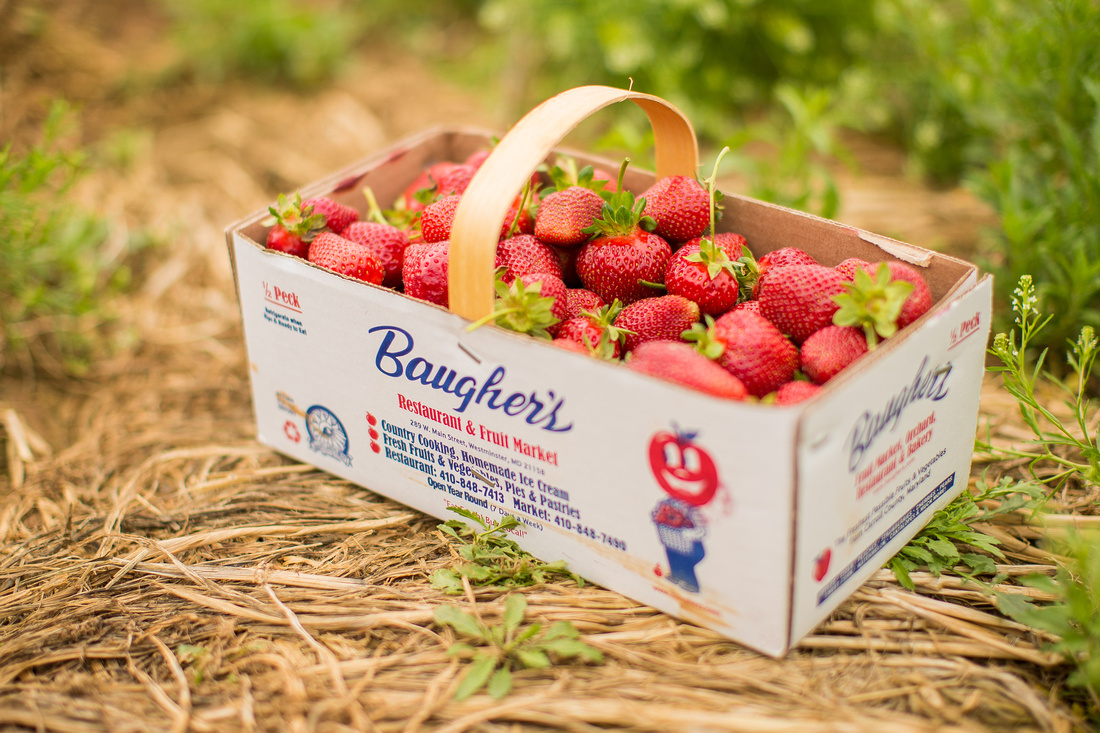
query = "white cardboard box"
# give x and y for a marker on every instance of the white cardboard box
(804, 504)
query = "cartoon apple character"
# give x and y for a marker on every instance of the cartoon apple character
(821, 564)
(683, 469)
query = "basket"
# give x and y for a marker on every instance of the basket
(420, 409)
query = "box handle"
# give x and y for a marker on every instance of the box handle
(481, 211)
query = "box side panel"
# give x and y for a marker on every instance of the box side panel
(673, 498)
(881, 453)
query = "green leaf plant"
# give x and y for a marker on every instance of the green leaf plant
(494, 652)
(491, 559)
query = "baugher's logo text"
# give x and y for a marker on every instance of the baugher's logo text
(928, 384)
(536, 409)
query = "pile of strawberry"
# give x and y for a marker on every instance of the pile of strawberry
(643, 280)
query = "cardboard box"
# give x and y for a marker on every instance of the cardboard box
(798, 505)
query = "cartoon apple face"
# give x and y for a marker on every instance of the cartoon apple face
(684, 470)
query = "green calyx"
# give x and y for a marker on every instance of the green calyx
(715, 259)
(705, 339)
(521, 308)
(289, 214)
(872, 304)
(565, 175)
(610, 334)
(621, 214)
(748, 272)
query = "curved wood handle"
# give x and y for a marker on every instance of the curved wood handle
(480, 214)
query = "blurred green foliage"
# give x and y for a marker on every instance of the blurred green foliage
(301, 44)
(999, 95)
(56, 274)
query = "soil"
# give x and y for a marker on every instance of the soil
(159, 569)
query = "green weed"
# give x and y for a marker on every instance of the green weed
(491, 558)
(1074, 615)
(56, 275)
(302, 44)
(1070, 454)
(498, 650)
(949, 543)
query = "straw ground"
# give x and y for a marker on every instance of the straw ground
(161, 570)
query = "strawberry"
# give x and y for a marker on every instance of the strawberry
(455, 180)
(624, 260)
(524, 254)
(595, 330)
(873, 301)
(343, 256)
(680, 206)
(707, 270)
(424, 271)
(564, 215)
(519, 219)
(532, 304)
(798, 299)
(848, 267)
(784, 256)
(386, 242)
(830, 350)
(293, 226)
(422, 190)
(678, 362)
(437, 217)
(337, 215)
(579, 300)
(476, 158)
(571, 207)
(919, 301)
(795, 391)
(664, 317)
(749, 347)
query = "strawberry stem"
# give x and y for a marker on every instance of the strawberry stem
(375, 212)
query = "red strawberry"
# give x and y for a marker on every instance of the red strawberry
(679, 362)
(624, 258)
(794, 392)
(424, 271)
(680, 206)
(749, 347)
(664, 317)
(919, 301)
(337, 215)
(531, 304)
(550, 286)
(385, 242)
(422, 190)
(292, 226)
(455, 180)
(477, 158)
(524, 254)
(706, 270)
(519, 215)
(798, 299)
(579, 300)
(784, 256)
(882, 299)
(595, 331)
(437, 217)
(848, 267)
(830, 350)
(564, 215)
(345, 257)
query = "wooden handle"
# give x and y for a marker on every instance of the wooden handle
(481, 211)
